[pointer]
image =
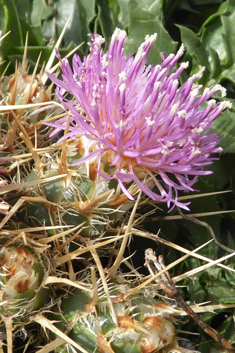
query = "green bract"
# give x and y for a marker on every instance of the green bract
(71, 201)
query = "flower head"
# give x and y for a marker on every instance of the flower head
(138, 118)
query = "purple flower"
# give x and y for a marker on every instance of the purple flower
(137, 119)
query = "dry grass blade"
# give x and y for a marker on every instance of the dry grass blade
(53, 54)
(5, 108)
(50, 347)
(105, 285)
(9, 331)
(194, 215)
(179, 248)
(18, 204)
(4, 36)
(172, 265)
(195, 196)
(208, 227)
(119, 257)
(202, 308)
(35, 230)
(74, 254)
(204, 267)
(156, 266)
(66, 282)
(53, 69)
(28, 184)
(45, 323)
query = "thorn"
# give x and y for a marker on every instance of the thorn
(53, 54)
(24, 61)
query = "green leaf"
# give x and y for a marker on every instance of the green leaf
(47, 12)
(153, 6)
(196, 291)
(221, 181)
(82, 12)
(224, 125)
(228, 24)
(149, 6)
(2, 19)
(38, 8)
(12, 23)
(220, 291)
(227, 328)
(142, 22)
(223, 9)
(213, 46)
(124, 16)
(196, 50)
(199, 233)
(107, 21)
(204, 2)
(214, 61)
(42, 22)
(33, 53)
(230, 277)
(16, 15)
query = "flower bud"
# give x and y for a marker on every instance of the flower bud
(21, 280)
(139, 326)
